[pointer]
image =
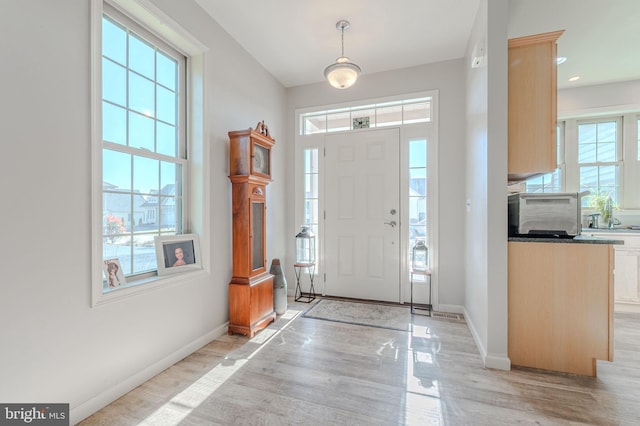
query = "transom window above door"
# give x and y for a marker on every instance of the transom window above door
(384, 114)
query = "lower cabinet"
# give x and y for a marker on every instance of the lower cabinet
(560, 305)
(251, 305)
(627, 269)
(627, 278)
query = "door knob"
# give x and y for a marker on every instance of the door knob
(391, 224)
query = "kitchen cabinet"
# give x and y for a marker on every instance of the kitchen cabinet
(627, 270)
(560, 305)
(532, 105)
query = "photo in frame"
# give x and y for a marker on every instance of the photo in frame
(113, 273)
(177, 253)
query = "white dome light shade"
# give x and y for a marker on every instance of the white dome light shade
(343, 74)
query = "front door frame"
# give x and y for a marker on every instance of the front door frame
(408, 132)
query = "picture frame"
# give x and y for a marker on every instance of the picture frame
(177, 253)
(113, 276)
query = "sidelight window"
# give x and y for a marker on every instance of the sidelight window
(311, 190)
(418, 223)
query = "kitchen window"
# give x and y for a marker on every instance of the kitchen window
(599, 157)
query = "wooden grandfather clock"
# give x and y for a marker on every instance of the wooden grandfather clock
(251, 287)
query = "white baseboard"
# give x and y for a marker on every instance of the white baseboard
(474, 334)
(626, 307)
(495, 361)
(105, 398)
(454, 309)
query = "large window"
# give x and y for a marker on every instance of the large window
(144, 160)
(599, 157)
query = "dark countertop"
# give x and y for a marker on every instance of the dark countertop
(580, 239)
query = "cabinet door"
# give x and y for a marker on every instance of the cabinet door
(627, 275)
(532, 105)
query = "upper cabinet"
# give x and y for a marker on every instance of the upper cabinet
(532, 105)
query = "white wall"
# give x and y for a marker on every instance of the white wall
(447, 78)
(486, 165)
(55, 346)
(612, 98)
(476, 259)
(497, 309)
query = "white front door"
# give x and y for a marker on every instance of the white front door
(362, 232)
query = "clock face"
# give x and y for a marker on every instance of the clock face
(260, 159)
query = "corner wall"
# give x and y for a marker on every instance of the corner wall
(486, 202)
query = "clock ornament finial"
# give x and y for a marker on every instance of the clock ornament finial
(262, 129)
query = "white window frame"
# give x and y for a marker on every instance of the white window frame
(629, 172)
(619, 152)
(149, 16)
(180, 159)
(369, 111)
(631, 155)
(426, 130)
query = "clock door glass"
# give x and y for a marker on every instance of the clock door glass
(260, 159)
(257, 241)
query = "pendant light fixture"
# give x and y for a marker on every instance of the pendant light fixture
(343, 73)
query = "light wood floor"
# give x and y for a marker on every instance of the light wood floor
(303, 371)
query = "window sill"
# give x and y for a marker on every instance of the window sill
(142, 286)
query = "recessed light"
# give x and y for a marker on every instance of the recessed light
(561, 60)
(575, 78)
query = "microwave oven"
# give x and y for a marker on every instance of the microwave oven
(545, 215)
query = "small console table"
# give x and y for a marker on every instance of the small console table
(311, 270)
(426, 274)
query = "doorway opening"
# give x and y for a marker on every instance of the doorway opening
(366, 186)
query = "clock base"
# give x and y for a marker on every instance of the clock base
(251, 305)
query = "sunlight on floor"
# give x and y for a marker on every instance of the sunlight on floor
(181, 405)
(422, 401)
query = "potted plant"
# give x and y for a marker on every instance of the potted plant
(602, 201)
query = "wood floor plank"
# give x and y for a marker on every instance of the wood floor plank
(307, 371)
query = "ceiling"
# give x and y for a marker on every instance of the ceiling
(295, 39)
